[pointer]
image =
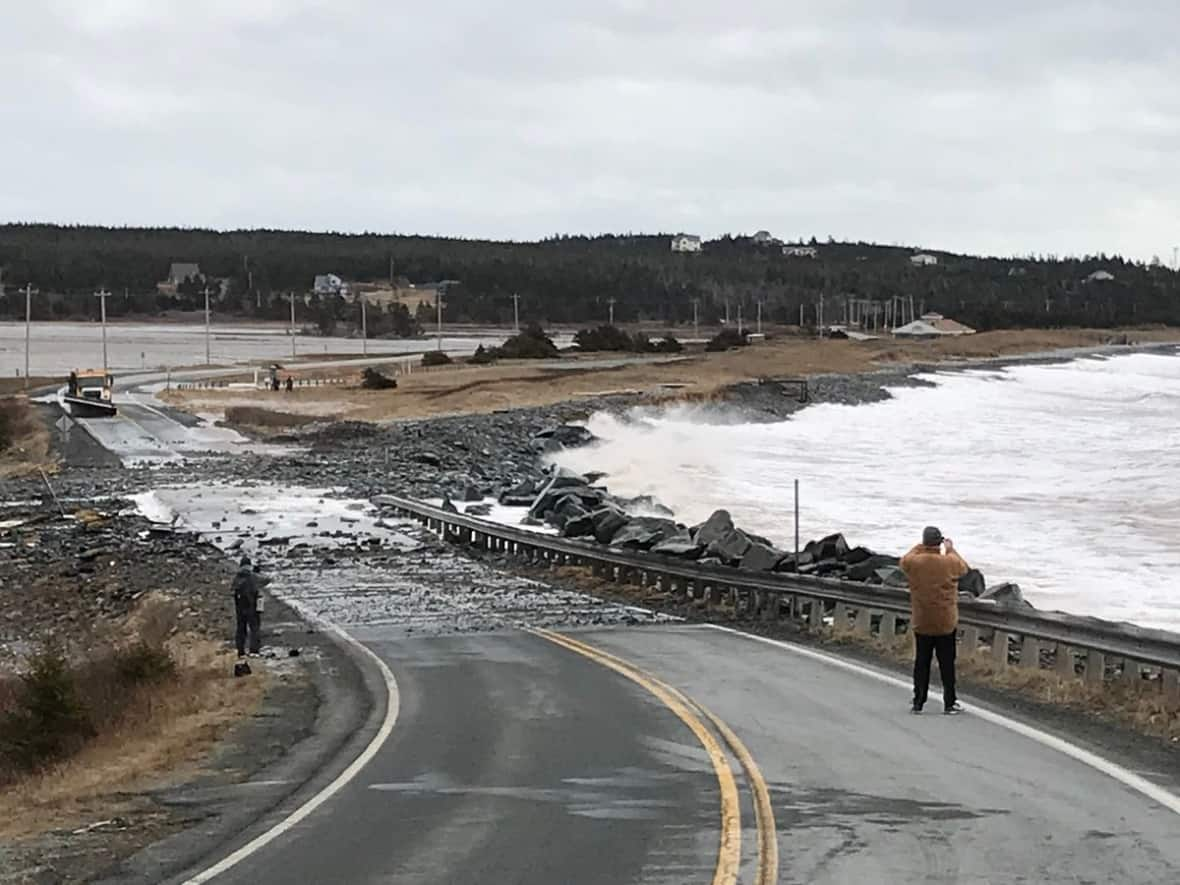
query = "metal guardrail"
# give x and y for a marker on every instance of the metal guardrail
(1083, 646)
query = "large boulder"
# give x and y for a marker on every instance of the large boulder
(478, 509)
(644, 505)
(644, 532)
(607, 522)
(866, 569)
(730, 547)
(831, 547)
(472, 493)
(857, 555)
(786, 563)
(972, 583)
(567, 436)
(521, 495)
(680, 544)
(579, 526)
(1006, 595)
(760, 558)
(449, 506)
(567, 508)
(714, 528)
(891, 576)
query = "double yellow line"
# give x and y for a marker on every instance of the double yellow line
(694, 715)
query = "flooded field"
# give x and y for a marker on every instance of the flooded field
(55, 348)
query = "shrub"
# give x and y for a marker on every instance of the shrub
(371, 379)
(144, 662)
(484, 355)
(16, 421)
(610, 338)
(47, 720)
(727, 339)
(530, 344)
(435, 358)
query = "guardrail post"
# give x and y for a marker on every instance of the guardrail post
(1170, 686)
(969, 640)
(888, 625)
(771, 605)
(1095, 672)
(1000, 647)
(716, 594)
(864, 620)
(1131, 672)
(840, 617)
(815, 614)
(1064, 665)
(1030, 653)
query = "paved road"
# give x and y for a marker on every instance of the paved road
(517, 761)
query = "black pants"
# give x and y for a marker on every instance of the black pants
(249, 621)
(927, 646)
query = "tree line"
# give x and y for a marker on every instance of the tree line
(564, 279)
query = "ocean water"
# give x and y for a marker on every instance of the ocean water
(1064, 478)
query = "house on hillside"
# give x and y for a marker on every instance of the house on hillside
(764, 238)
(178, 272)
(1100, 276)
(932, 325)
(329, 284)
(793, 251)
(686, 243)
(923, 259)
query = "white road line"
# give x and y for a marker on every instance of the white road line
(1128, 778)
(354, 768)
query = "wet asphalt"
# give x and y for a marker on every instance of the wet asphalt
(516, 761)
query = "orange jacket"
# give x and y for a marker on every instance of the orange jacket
(934, 589)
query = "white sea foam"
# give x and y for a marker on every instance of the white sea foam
(1064, 478)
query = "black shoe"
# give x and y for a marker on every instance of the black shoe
(954, 709)
(915, 709)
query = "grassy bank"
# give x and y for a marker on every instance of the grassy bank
(79, 729)
(466, 389)
(24, 439)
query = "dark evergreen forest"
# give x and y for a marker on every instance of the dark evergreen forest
(566, 279)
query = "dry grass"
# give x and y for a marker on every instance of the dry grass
(464, 389)
(155, 734)
(24, 440)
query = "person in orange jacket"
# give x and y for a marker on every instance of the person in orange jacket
(933, 569)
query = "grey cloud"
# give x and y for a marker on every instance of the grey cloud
(1004, 127)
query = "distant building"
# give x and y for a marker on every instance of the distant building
(923, 259)
(178, 272)
(686, 243)
(1017, 271)
(932, 325)
(800, 251)
(1100, 276)
(329, 284)
(764, 238)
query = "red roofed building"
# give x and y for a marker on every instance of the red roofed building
(932, 325)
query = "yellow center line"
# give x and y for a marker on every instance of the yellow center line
(729, 852)
(763, 810)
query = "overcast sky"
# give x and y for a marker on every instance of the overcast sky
(1005, 127)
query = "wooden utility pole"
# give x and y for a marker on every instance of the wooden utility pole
(611, 311)
(102, 295)
(29, 293)
(364, 329)
(759, 317)
(208, 359)
(292, 295)
(696, 322)
(516, 312)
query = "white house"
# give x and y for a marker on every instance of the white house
(923, 259)
(1100, 276)
(329, 284)
(686, 243)
(800, 251)
(932, 325)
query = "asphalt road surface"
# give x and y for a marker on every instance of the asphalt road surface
(518, 760)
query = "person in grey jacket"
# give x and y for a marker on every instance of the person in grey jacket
(246, 588)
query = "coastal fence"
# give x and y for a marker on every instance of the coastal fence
(1088, 649)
